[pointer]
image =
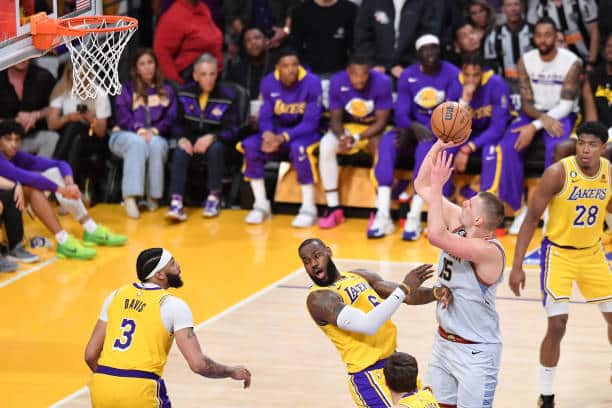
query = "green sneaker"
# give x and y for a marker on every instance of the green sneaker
(103, 236)
(72, 248)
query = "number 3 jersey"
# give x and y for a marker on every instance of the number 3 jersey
(577, 212)
(472, 314)
(359, 351)
(137, 332)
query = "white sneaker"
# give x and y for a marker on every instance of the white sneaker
(518, 221)
(305, 218)
(259, 214)
(412, 229)
(380, 226)
(131, 208)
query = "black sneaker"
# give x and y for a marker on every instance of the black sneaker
(546, 401)
(19, 254)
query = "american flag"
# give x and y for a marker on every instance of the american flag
(82, 5)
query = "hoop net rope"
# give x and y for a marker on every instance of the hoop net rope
(95, 56)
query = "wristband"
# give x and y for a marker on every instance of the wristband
(356, 138)
(434, 293)
(406, 288)
(286, 136)
(537, 124)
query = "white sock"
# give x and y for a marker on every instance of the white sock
(332, 198)
(259, 192)
(90, 226)
(61, 237)
(609, 221)
(308, 200)
(416, 206)
(383, 201)
(547, 376)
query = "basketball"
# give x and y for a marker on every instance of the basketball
(450, 122)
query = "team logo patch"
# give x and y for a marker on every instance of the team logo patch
(429, 97)
(381, 17)
(573, 174)
(217, 112)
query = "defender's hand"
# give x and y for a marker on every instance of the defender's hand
(415, 278)
(517, 280)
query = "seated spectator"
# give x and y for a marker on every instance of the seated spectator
(600, 81)
(487, 97)
(208, 118)
(322, 34)
(549, 79)
(466, 41)
(576, 20)
(420, 89)
(184, 32)
(82, 124)
(145, 110)
(288, 123)
(272, 17)
(39, 174)
(360, 104)
(481, 16)
(506, 43)
(24, 96)
(11, 207)
(253, 63)
(387, 34)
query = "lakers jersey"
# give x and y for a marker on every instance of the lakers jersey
(419, 399)
(136, 338)
(577, 212)
(359, 351)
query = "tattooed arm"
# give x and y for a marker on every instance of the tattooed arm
(527, 100)
(188, 344)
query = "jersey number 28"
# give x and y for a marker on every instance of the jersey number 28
(129, 328)
(583, 214)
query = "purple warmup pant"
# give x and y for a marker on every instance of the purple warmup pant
(512, 169)
(299, 153)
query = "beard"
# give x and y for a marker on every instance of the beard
(174, 281)
(546, 50)
(332, 275)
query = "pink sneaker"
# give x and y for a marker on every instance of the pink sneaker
(332, 219)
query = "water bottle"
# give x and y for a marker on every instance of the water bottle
(40, 242)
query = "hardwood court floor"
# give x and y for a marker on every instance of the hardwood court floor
(48, 315)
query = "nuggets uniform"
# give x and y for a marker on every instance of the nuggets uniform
(572, 250)
(135, 351)
(419, 399)
(466, 353)
(363, 355)
(418, 94)
(294, 110)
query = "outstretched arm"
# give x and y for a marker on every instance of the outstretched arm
(188, 344)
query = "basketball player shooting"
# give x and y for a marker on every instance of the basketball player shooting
(467, 348)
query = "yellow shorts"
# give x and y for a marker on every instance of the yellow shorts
(588, 267)
(357, 128)
(113, 391)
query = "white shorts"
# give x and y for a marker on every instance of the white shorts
(463, 374)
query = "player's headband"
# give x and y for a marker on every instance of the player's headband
(165, 258)
(425, 40)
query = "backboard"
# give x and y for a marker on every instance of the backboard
(15, 32)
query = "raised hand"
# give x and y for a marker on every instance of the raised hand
(415, 278)
(442, 169)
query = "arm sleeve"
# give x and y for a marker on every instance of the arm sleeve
(335, 102)
(168, 39)
(30, 162)
(266, 112)
(403, 106)
(26, 177)
(354, 320)
(500, 115)
(105, 305)
(562, 109)
(124, 115)
(175, 314)
(312, 112)
(165, 124)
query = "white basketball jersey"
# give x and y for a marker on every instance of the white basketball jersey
(472, 313)
(547, 78)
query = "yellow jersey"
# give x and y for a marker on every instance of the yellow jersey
(577, 212)
(136, 338)
(419, 399)
(359, 351)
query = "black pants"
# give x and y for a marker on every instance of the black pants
(214, 158)
(11, 217)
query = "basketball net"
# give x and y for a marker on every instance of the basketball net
(95, 44)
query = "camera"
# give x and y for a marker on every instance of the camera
(82, 108)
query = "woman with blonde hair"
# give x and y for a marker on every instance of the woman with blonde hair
(145, 110)
(482, 17)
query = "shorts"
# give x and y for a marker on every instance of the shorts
(560, 267)
(116, 388)
(464, 375)
(369, 388)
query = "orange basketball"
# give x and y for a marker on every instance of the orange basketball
(451, 122)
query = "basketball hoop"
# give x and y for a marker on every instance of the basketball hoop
(95, 44)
